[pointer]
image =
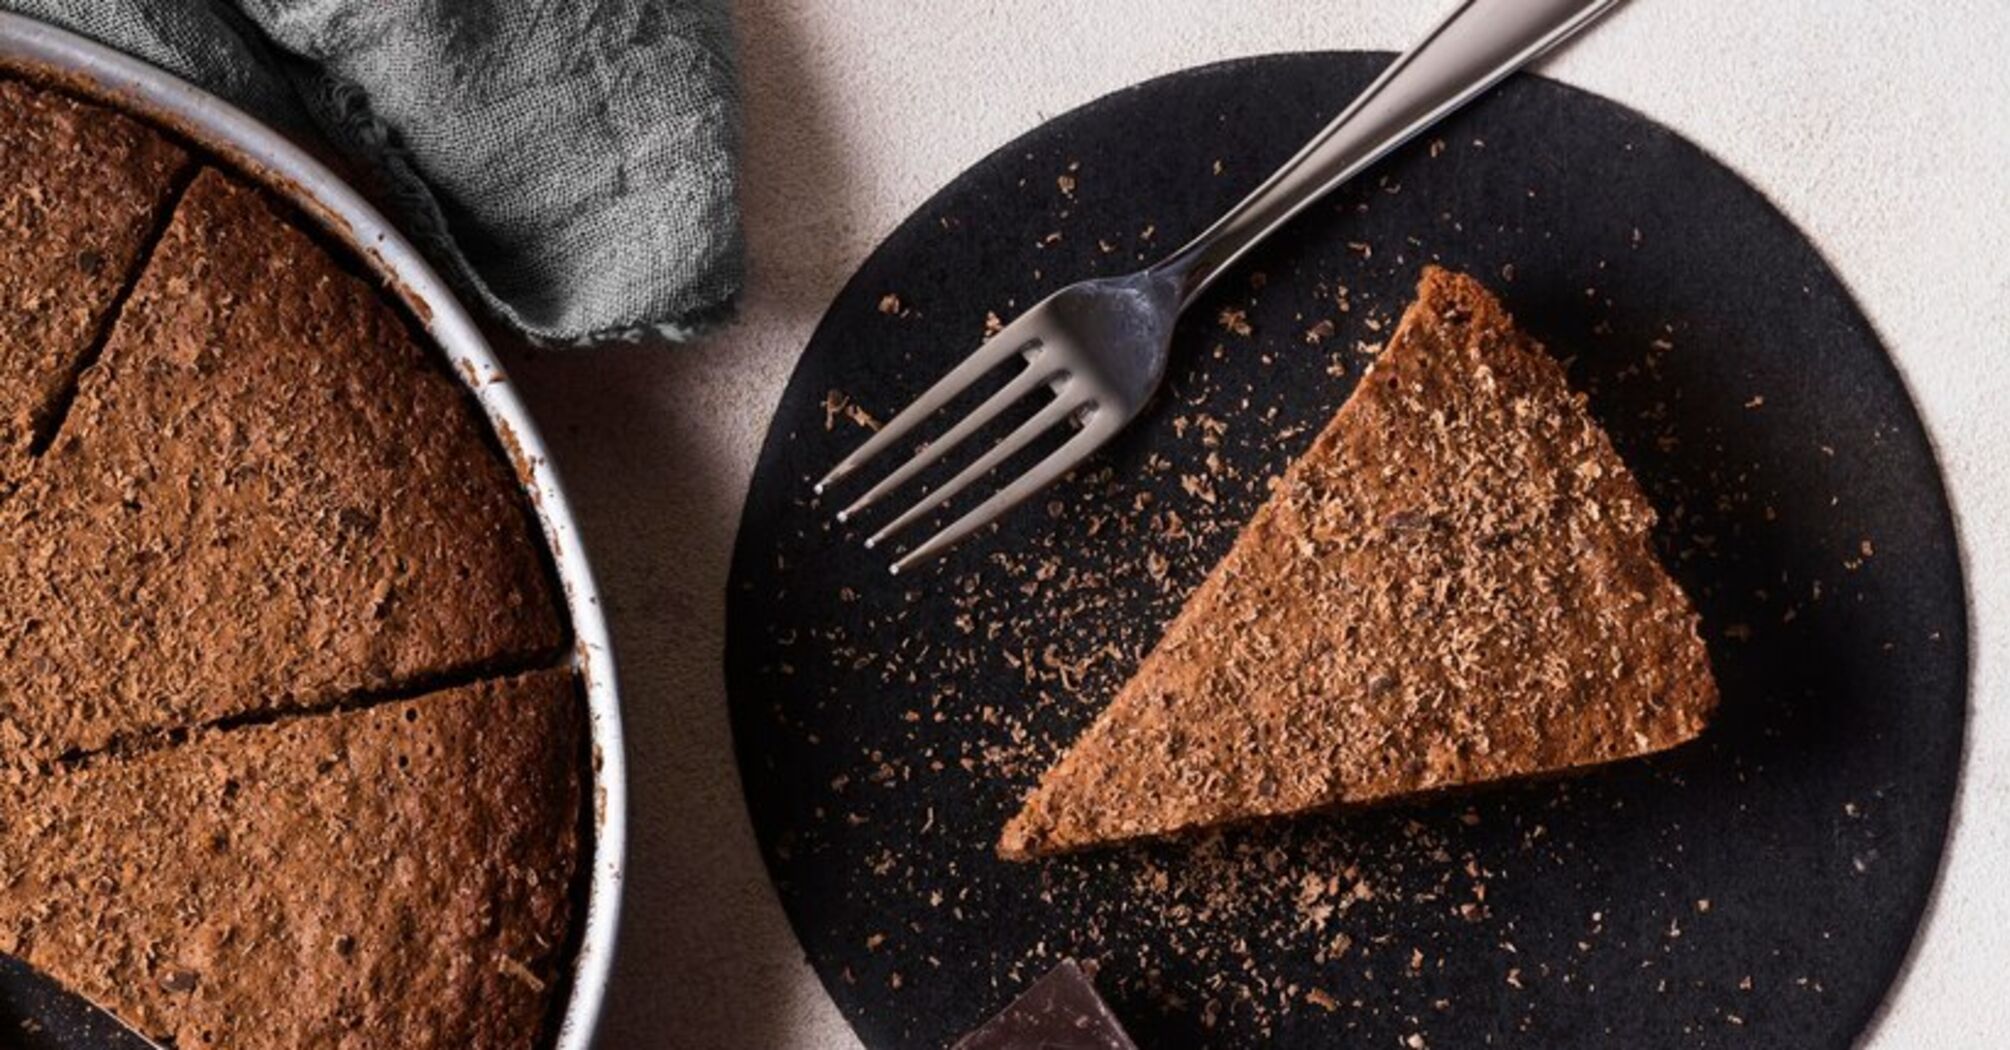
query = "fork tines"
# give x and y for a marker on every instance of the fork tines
(1046, 365)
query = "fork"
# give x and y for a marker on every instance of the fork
(1102, 345)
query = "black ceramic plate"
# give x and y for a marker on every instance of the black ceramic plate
(38, 1014)
(1759, 887)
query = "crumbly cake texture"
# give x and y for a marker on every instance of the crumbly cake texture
(265, 497)
(82, 190)
(1455, 584)
(396, 876)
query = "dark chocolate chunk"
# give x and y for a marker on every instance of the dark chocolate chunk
(1060, 1012)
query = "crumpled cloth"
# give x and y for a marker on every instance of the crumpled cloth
(571, 162)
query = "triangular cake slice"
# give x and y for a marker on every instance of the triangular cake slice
(1455, 584)
(398, 876)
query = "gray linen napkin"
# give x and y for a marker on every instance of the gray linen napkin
(571, 161)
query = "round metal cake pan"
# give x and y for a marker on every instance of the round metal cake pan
(42, 52)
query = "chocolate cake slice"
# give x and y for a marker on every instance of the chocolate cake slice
(393, 877)
(266, 496)
(1455, 584)
(82, 190)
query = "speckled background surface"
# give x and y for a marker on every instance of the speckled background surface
(1876, 131)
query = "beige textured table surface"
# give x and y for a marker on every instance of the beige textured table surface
(1881, 127)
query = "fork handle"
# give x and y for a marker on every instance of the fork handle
(1477, 45)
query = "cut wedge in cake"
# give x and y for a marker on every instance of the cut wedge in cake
(82, 190)
(398, 876)
(266, 496)
(1455, 584)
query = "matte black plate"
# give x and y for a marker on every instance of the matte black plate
(1757, 888)
(38, 1014)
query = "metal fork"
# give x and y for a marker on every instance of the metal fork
(1102, 345)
